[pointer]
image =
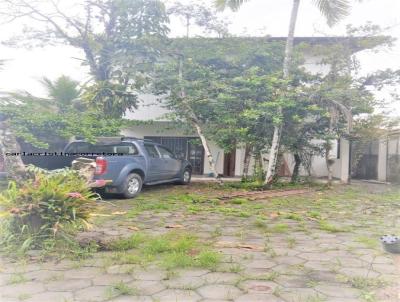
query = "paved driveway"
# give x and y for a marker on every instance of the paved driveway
(184, 244)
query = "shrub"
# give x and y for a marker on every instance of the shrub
(44, 207)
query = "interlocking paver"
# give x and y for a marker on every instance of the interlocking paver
(338, 291)
(126, 298)
(107, 279)
(92, 294)
(150, 275)
(221, 278)
(14, 290)
(147, 288)
(174, 295)
(51, 296)
(82, 273)
(256, 265)
(67, 285)
(258, 286)
(219, 291)
(185, 282)
(258, 298)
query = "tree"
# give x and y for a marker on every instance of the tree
(334, 11)
(62, 111)
(28, 118)
(119, 39)
(64, 91)
(200, 15)
(208, 83)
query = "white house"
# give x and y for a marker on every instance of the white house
(231, 164)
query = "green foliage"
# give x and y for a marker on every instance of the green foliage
(63, 90)
(172, 250)
(126, 243)
(47, 207)
(63, 112)
(120, 289)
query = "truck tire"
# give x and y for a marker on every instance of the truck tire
(132, 185)
(186, 176)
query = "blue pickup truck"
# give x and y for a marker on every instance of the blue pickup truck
(127, 163)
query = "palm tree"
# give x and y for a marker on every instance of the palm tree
(61, 93)
(334, 11)
(62, 90)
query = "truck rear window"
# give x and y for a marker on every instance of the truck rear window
(122, 148)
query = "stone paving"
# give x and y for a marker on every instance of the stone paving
(309, 265)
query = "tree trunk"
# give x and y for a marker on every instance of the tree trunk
(329, 162)
(296, 169)
(14, 166)
(191, 116)
(273, 154)
(246, 163)
(328, 147)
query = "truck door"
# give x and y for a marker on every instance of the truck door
(171, 164)
(155, 169)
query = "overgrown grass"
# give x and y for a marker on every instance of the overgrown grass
(328, 227)
(126, 243)
(172, 250)
(371, 243)
(119, 289)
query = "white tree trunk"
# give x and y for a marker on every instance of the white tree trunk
(246, 163)
(273, 154)
(329, 162)
(191, 116)
(207, 150)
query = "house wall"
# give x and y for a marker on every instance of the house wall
(318, 163)
(164, 129)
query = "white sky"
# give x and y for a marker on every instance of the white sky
(257, 17)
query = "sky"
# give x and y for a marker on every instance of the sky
(24, 67)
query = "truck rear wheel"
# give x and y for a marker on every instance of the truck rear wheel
(132, 185)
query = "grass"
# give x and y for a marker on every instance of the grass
(293, 216)
(315, 298)
(269, 277)
(119, 289)
(365, 283)
(371, 243)
(17, 279)
(279, 228)
(291, 242)
(260, 223)
(328, 227)
(208, 259)
(126, 243)
(172, 250)
(309, 214)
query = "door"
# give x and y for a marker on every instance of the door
(188, 148)
(155, 170)
(229, 163)
(171, 165)
(196, 156)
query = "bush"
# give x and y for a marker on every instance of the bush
(44, 207)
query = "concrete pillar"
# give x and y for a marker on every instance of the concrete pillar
(344, 161)
(382, 159)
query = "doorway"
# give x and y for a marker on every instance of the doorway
(229, 163)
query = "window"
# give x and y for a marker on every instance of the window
(151, 151)
(121, 148)
(165, 153)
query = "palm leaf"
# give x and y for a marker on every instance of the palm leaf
(333, 10)
(232, 4)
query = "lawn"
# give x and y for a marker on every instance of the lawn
(186, 243)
